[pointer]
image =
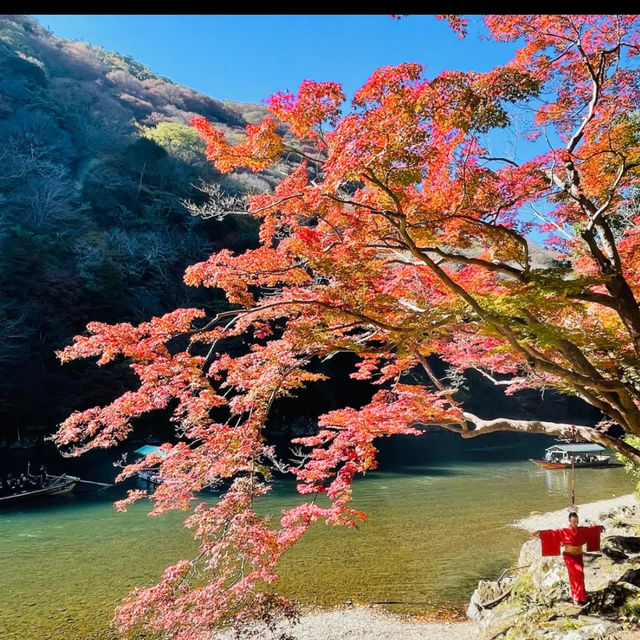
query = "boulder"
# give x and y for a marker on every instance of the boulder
(607, 601)
(488, 594)
(628, 545)
(539, 606)
(631, 576)
(529, 552)
(502, 619)
(597, 630)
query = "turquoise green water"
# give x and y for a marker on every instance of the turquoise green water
(438, 523)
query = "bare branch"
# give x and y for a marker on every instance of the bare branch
(218, 204)
(499, 159)
(495, 381)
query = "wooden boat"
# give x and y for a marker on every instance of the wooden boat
(565, 456)
(150, 475)
(54, 486)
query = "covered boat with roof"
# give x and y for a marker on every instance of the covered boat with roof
(150, 475)
(565, 456)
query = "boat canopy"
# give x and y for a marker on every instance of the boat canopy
(576, 448)
(149, 449)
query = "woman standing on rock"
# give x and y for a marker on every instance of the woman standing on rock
(572, 538)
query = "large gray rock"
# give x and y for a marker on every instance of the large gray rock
(620, 548)
(488, 594)
(597, 630)
(500, 620)
(549, 578)
(529, 552)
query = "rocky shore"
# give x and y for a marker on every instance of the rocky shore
(530, 602)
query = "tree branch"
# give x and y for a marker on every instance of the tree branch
(550, 428)
(499, 267)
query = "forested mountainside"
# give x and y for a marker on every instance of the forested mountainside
(96, 159)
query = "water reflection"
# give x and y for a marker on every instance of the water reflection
(557, 480)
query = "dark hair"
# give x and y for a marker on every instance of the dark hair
(573, 514)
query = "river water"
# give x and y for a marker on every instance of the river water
(439, 513)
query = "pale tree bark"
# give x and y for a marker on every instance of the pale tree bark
(480, 426)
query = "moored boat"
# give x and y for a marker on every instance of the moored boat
(150, 475)
(566, 456)
(54, 485)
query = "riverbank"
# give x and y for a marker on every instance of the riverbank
(536, 606)
(369, 623)
(534, 602)
(588, 513)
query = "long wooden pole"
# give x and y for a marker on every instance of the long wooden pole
(76, 479)
(100, 484)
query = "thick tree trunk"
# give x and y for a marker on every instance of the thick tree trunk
(480, 426)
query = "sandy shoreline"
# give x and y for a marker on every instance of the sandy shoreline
(371, 623)
(589, 513)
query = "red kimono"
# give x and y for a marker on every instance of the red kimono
(572, 540)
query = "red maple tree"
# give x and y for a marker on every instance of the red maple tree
(396, 237)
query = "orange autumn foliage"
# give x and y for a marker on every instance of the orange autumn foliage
(397, 237)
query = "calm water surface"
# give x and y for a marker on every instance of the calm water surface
(439, 510)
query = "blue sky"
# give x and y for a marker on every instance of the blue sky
(247, 58)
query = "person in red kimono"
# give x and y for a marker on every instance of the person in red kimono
(572, 538)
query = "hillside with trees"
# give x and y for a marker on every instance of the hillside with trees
(95, 162)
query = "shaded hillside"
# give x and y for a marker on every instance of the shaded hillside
(95, 160)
